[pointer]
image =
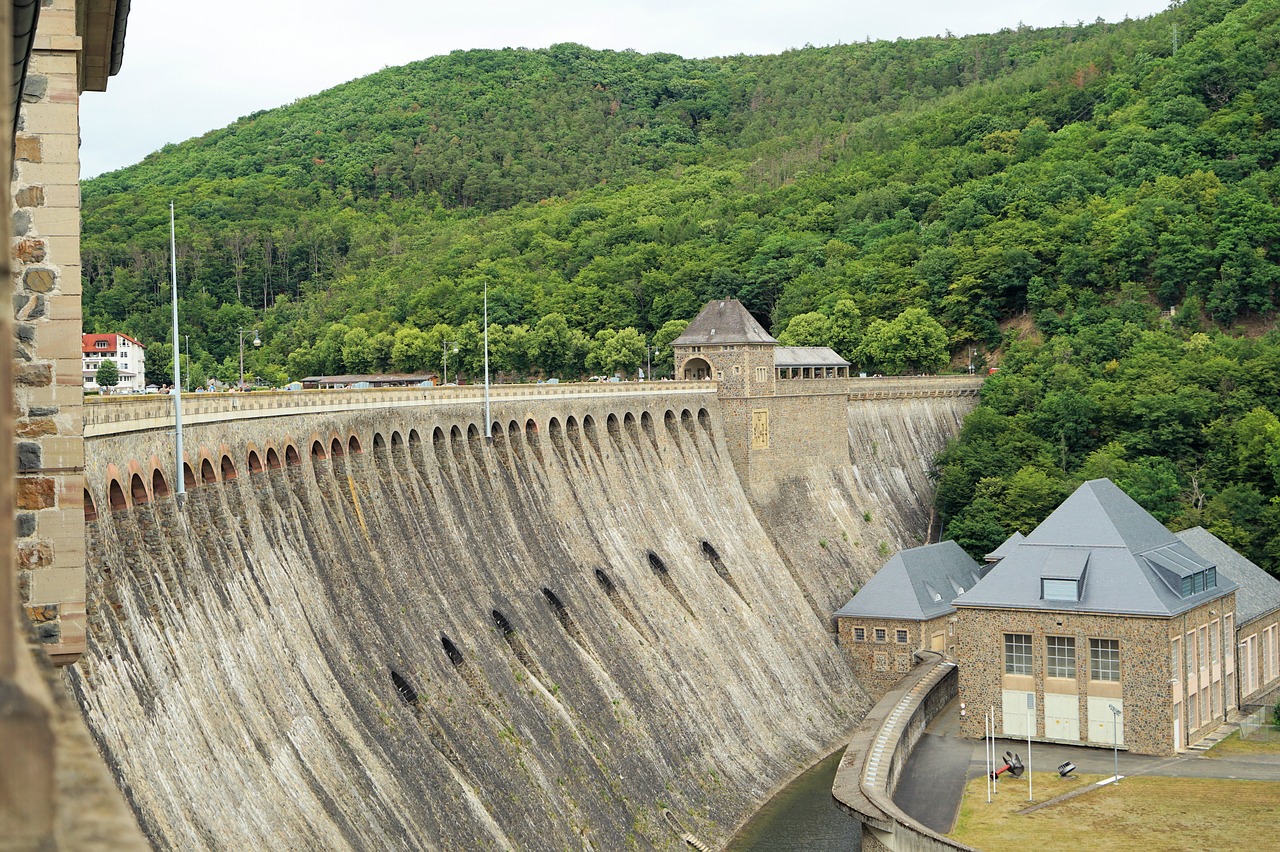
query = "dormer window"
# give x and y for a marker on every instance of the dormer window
(100, 344)
(1059, 590)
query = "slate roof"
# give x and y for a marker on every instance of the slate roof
(724, 321)
(807, 356)
(917, 583)
(1128, 562)
(1003, 550)
(1258, 592)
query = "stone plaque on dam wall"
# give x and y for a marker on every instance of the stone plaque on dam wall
(369, 628)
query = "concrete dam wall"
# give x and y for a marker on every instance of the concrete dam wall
(369, 629)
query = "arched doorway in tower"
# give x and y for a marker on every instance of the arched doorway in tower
(696, 369)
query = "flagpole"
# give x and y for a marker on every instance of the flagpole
(488, 424)
(177, 367)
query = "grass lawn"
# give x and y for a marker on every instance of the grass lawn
(1142, 813)
(1233, 746)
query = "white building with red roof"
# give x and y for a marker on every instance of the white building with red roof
(129, 355)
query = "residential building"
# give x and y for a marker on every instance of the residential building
(129, 355)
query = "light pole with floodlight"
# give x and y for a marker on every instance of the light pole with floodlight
(257, 341)
(445, 347)
(1115, 738)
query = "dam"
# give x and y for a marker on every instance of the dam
(367, 627)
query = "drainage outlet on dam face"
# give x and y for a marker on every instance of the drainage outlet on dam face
(404, 688)
(450, 649)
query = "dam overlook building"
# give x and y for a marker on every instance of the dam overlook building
(725, 343)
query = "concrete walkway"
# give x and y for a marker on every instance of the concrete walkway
(933, 780)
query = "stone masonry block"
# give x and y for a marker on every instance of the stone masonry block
(36, 492)
(61, 149)
(63, 452)
(59, 524)
(44, 119)
(64, 250)
(33, 375)
(29, 456)
(54, 221)
(35, 428)
(34, 556)
(27, 148)
(60, 340)
(57, 585)
(26, 524)
(29, 196)
(61, 194)
(30, 250)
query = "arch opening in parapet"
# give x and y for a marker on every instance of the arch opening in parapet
(255, 463)
(273, 459)
(317, 451)
(414, 439)
(611, 425)
(686, 420)
(188, 477)
(206, 472)
(572, 431)
(291, 456)
(501, 621)
(378, 443)
(90, 510)
(404, 688)
(353, 445)
(704, 419)
(604, 581)
(397, 441)
(455, 434)
(336, 449)
(159, 487)
(530, 428)
(228, 469)
(451, 650)
(138, 490)
(655, 562)
(697, 369)
(589, 429)
(115, 495)
(473, 434)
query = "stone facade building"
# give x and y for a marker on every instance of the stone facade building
(904, 609)
(1100, 626)
(1257, 619)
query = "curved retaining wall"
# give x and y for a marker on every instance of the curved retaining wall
(877, 754)
(368, 628)
(424, 642)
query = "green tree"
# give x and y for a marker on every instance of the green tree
(108, 375)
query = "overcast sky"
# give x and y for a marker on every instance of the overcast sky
(190, 67)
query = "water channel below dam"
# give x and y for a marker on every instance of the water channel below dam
(802, 817)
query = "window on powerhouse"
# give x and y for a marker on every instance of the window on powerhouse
(1104, 659)
(1017, 653)
(1060, 656)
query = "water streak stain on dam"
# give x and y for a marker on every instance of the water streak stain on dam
(372, 630)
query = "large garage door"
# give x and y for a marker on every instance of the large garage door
(1102, 721)
(1062, 716)
(1019, 713)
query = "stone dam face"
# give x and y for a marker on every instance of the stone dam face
(370, 630)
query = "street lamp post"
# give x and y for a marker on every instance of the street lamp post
(1115, 738)
(446, 346)
(187, 339)
(648, 361)
(257, 341)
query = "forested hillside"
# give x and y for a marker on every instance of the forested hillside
(1041, 194)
